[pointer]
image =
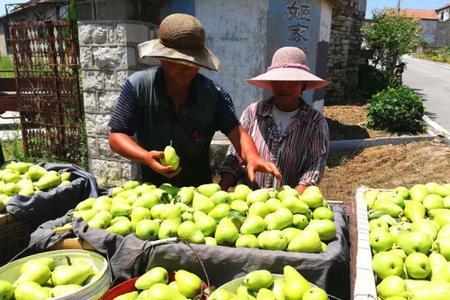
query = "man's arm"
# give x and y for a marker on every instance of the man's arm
(246, 148)
(124, 145)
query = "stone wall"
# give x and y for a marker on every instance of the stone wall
(443, 34)
(108, 55)
(344, 51)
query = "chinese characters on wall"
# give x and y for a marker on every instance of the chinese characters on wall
(298, 16)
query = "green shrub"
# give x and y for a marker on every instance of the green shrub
(396, 110)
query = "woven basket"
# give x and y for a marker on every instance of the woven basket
(14, 237)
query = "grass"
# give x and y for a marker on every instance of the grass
(441, 55)
(6, 67)
(13, 150)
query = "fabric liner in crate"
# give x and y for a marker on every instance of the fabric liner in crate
(44, 206)
(329, 270)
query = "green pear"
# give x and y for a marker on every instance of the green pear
(220, 197)
(279, 219)
(221, 294)
(202, 203)
(102, 203)
(147, 230)
(48, 181)
(273, 204)
(206, 223)
(323, 213)
(226, 232)
(187, 216)
(10, 189)
(157, 210)
(170, 211)
(430, 290)
(370, 196)
(35, 172)
(120, 209)
(272, 240)
(243, 293)
(402, 192)
(265, 294)
(306, 241)
(10, 176)
(208, 189)
(47, 261)
(151, 277)
(170, 158)
(62, 290)
(398, 252)
(190, 232)
(378, 224)
(300, 221)
(220, 211)
(433, 201)
(392, 286)
(29, 290)
(117, 190)
(253, 225)
(247, 241)
(128, 296)
(380, 240)
(414, 242)
(290, 233)
(239, 205)
(388, 207)
(6, 290)
(438, 265)
(278, 289)
(418, 192)
(444, 232)
(447, 202)
(387, 263)
(144, 188)
(173, 285)
(186, 195)
(313, 200)
(189, 284)
(315, 293)
(129, 185)
(426, 226)
(123, 228)
(257, 280)
(258, 209)
(296, 284)
(38, 272)
(241, 191)
(261, 195)
(147, 200)
(295, 205)
(437, 189)
(75, 274)
(417, 265)
(444, 247)
(283, 193)
(139, 213)
(325, 228)
(168, 228)
(160, 291)
(441, 217)
(86, 215)
(210, 241)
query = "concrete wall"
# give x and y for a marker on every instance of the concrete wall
(429, 31)
(3, 50)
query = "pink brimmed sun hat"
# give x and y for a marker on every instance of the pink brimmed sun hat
(288, 64)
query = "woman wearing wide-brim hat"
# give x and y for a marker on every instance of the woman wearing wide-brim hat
(285, 129)
(175, 105)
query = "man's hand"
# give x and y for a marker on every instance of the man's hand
(257, 164)
(152, 159)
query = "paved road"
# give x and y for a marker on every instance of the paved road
(431, 81)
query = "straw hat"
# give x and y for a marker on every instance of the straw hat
(288, 64)
(182, 39)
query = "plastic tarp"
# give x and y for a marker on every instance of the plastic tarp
(131, 257)
(44, 206)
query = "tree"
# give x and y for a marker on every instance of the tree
(389, 36)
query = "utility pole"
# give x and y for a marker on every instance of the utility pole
(398, 5)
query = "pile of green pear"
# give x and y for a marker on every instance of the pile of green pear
(261, 285)
(154, 285)
(410, 239)
(264, 218)
(26, 179)
(47, 278)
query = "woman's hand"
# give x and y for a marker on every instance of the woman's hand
(257, 164)
(153, 158)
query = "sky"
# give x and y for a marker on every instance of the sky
(371, 4)
(416, 4)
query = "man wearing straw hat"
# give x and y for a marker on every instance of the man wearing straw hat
(174, 104)
(285, 129)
